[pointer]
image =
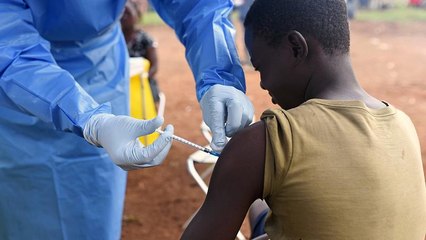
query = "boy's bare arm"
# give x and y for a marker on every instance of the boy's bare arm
(236, 182)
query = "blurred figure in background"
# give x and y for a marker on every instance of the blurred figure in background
(351, 8)
(415, 3)
(139, 43)
(364, 4)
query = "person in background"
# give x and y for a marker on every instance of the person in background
(65, 137)
(333, 162)
(351, 6)
(140, 44)
(415, 3)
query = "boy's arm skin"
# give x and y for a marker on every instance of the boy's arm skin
(236, 182)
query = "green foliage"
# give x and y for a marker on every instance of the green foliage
(151, 18)
(397, 14)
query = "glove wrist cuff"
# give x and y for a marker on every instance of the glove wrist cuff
(91, 129)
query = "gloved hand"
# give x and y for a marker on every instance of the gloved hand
(226, 110)
(119, 136)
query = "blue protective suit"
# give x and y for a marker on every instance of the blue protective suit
(61, 62)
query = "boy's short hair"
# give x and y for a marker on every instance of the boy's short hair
(324, 20)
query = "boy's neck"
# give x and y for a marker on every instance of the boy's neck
(333, 78)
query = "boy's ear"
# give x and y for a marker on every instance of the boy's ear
(298, 44)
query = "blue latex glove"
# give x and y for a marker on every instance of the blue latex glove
(226, 110)
(118, 135)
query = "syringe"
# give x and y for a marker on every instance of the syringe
(182, 140)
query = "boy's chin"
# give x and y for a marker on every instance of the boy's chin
(274, 101)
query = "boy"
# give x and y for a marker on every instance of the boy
(334, 162)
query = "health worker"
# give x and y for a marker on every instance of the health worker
(64, 90)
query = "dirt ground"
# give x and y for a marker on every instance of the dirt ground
(389, 61)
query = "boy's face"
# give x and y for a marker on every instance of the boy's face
(279, 71)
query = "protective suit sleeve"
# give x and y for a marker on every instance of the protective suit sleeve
(208, 36)
(30, 79)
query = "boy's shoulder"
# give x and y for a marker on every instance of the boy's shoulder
(315, 107)
(318, 115)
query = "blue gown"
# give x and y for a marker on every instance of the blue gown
(61, 62)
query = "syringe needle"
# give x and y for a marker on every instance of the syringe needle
(182, 140)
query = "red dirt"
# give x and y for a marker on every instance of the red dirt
(389, 61)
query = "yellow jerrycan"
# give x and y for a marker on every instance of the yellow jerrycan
(142, 104)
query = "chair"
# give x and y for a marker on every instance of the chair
(200, 157)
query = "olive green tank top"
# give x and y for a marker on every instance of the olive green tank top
(339, 170)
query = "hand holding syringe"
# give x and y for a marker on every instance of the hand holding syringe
(182, 140)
